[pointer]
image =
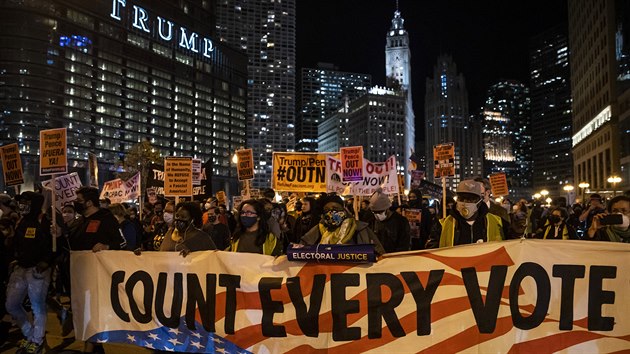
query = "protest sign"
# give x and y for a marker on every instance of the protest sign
(414, 216)
(444, 160)
(11, 165)
(245, 164)
(498, 182)
(53, 155)
(299, 172)
(65, 188)
(375, 175)
(178, 176)
(119, 191)
(221, 198)
(351, 163)
(521, 296)
(416, 178)
(155, 182)
(196, 172)
(236, 202)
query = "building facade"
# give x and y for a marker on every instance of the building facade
(550, 92)
(447, 120)
(116, 73)
(398, 77)
(599, 86)
(506, 128)
(322, 91)
(265, 31)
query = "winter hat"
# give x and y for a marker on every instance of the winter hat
(379, 201)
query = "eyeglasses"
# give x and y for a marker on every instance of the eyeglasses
(248, 213)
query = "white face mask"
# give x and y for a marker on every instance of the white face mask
(467, 210)
(624, 225)
(207, 206)
(168, 218)
(380, 217)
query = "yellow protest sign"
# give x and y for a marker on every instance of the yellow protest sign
(245, 164)
(53, 153)
(221, 197)
(444, 160)
(498, 182)
(11, 165)
(299, 172)
(351, 163)
(178, 176)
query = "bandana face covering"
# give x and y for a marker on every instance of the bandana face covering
(332, 219)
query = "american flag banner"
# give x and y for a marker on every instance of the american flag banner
(529, 296)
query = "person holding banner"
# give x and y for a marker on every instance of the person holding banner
(186, 236)
(31, 272)
(252, 233)
(337, 226)
(470, 222)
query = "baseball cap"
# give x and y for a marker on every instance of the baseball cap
(469, 186)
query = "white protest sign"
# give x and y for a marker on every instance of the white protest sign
(65, 187)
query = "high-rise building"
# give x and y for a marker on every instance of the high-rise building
(265, 30)
(598, 42)
(398, 75)
(447, 120)
(116, 73)
(507, 136)
(375, 121)
(322, 91)
(550, 93)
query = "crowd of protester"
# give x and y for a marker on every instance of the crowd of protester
(30, 269)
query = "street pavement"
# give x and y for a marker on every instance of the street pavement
(57, 344)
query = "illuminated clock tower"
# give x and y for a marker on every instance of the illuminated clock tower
(398, 75)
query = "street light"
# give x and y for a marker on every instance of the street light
(537, 196)
(614, 179)
(583, 185)
(568, 188)
(544, 193)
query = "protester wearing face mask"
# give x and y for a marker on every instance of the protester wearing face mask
(557, 228)
(617, 232)
(126, 227)
(186, 235)
(32, 245)
(218, 231)
(252, 234)
(391, 228)
(308, 218)
(470, 222)
(337, 226)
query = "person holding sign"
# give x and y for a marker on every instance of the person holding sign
(470, 222)
(252, 233)
(186, 236)
(32, 244)
(337, 226)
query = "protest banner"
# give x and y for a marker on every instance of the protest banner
(119, 191)
(93, 170)
(351, 163)
(444, 160)
(520, 296)
(245, 164)
(178, 176)
(196, 172)
(65, 188)
(499, 184)
(375, 175)
(299, 172)
(11, 165)
(416, 178)
(53, 154)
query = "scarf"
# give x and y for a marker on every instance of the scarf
(340, 235)
(616, 235)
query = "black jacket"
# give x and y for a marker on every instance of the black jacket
(100, 227)
(393, 233)
(32, 242)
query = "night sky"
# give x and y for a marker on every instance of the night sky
(489, 40)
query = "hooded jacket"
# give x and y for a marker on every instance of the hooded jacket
(32, 241)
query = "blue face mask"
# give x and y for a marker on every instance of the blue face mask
(248, 221)
(332, 219)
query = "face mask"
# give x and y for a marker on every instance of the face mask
(554, 219)
(212, 218)
(467, 210)
(182, 225)
(333, 219)
(624, 225)
(207, 206)
(248, 221)
(24, 208)
(79, 207)
(168, 218)
(380, 216)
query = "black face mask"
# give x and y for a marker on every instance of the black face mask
(79, 207)
(212, 218)
(182, 225)
(554, 219)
